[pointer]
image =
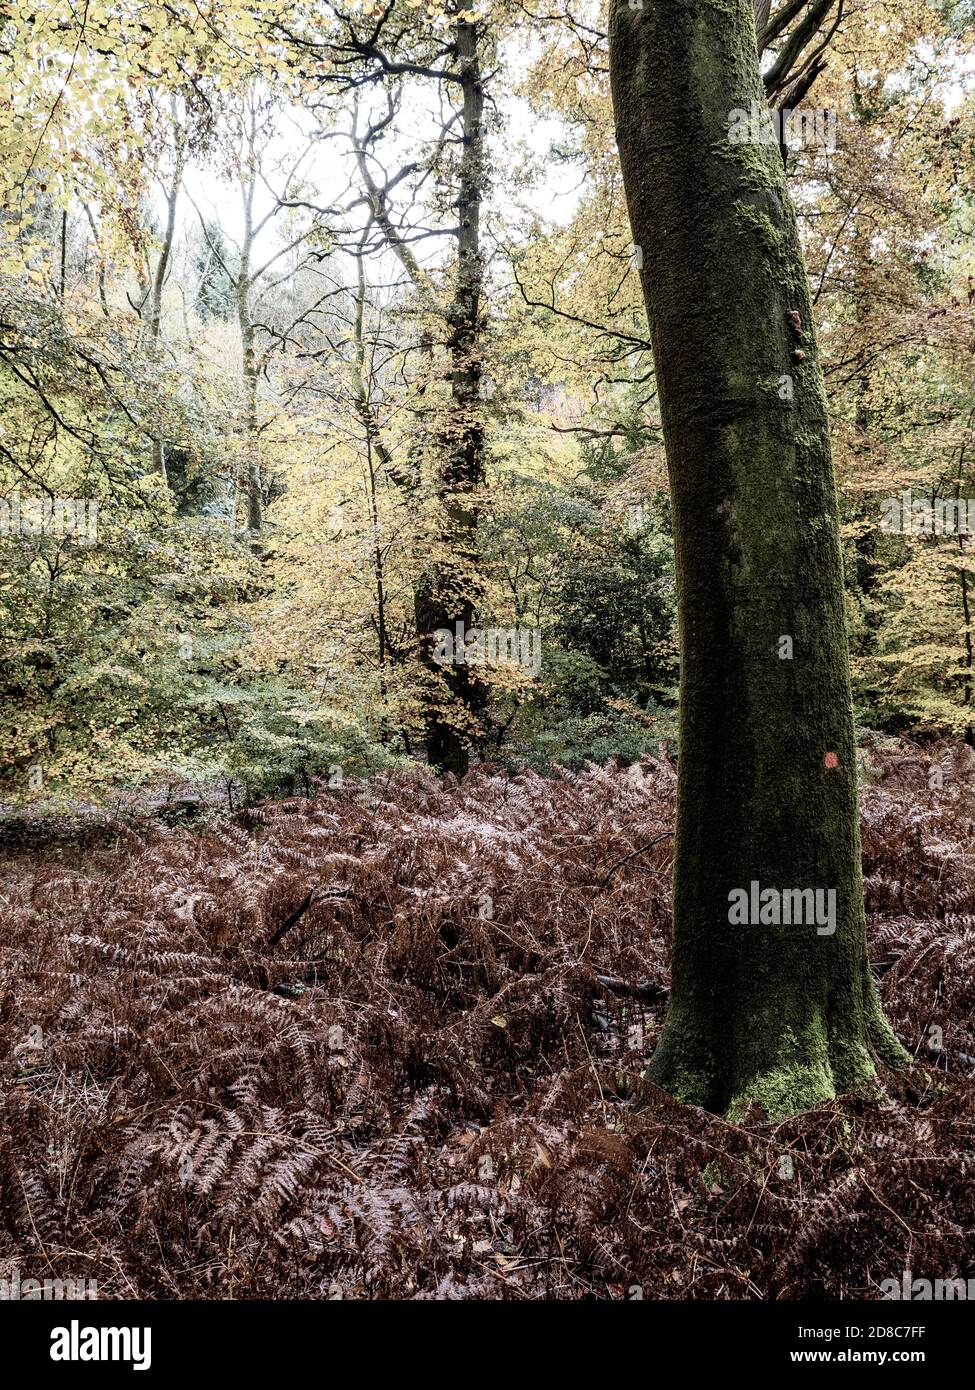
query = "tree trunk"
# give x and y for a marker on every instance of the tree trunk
(252, 453)
(783, 1015)
(448, 595)
(159, 279)
(376, 453)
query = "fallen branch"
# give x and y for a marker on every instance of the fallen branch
(334, 895)
(295, 917)
(627, 857)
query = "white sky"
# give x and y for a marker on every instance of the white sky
(553, 195)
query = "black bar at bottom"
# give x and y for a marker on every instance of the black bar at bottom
(170, 1339)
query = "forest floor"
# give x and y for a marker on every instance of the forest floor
(388, 1045)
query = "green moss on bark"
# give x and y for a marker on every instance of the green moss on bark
(767, 776)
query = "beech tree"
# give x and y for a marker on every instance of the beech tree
(785, 1015)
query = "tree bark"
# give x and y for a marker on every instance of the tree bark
(783, 1015)
(449, 594)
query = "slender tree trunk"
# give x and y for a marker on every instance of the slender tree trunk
(783, 1015)
(102, 295)
(448, 596)
(63, 282)
(376, 452)
(252, 455)
(159, 278)
(360, 383)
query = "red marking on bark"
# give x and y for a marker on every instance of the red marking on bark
(831, 760)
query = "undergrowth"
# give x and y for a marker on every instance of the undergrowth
(387, 1043)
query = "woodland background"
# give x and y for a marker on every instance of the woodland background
(226, 246)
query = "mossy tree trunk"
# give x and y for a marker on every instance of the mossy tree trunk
(448, 596)
(783, 1015)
